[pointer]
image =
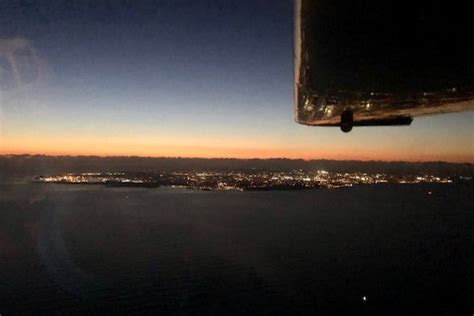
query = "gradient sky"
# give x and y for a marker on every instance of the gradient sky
(207, 78)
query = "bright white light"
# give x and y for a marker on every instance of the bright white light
(364, 298)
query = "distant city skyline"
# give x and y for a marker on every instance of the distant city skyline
(183, 79)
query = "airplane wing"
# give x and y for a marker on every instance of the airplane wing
(371, 64)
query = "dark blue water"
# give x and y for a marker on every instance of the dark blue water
(77, 249)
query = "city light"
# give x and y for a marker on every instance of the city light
(243, 180)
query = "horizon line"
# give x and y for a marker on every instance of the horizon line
(235, 158)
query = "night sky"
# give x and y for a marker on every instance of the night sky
(183, 78)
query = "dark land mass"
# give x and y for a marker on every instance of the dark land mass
(17, 166)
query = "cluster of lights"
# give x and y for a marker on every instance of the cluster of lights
(244, 180)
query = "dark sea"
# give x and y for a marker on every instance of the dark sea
(366, 250)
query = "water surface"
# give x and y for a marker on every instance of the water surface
(90, 248)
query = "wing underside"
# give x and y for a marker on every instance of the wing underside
(378, 109)
(373, 69)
